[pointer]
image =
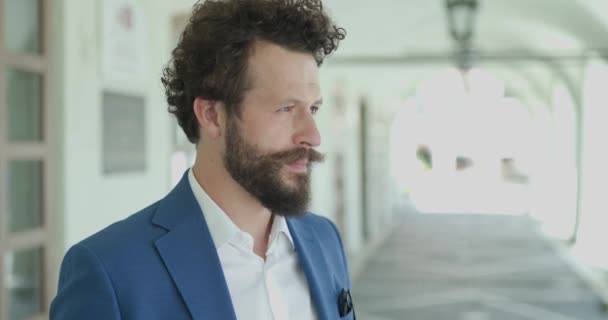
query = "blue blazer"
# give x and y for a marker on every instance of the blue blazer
(161, 263)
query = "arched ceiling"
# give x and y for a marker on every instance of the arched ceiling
(529, 44)
(392, 27)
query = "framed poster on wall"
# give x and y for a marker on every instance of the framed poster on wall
(124, 134)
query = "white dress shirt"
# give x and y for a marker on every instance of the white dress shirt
(275, 288)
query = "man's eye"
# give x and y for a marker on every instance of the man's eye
(287, 109)
(314, 109)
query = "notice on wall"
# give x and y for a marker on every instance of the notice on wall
(122, 40)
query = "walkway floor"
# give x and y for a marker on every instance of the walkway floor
(471, 267)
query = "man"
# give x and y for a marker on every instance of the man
(233, 239)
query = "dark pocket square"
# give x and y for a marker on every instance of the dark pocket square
(345, 302)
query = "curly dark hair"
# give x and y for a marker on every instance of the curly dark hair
(210, 60)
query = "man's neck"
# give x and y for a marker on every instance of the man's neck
(245, 211)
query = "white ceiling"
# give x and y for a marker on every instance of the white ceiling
(392, 27)
(382, 29)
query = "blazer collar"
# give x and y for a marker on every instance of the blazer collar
(315, 266)
(190, 255)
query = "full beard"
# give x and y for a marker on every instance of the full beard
(259, 173)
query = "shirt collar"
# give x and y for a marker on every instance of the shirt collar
(221, 228)
(279, 227)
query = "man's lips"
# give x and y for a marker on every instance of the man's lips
(299, 166)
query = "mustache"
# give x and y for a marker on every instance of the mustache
(293, 155)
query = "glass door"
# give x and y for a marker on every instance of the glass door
(25, 178)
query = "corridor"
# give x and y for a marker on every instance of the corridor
(462, 107)
(471, 267)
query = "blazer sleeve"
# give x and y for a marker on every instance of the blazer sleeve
(85, 290)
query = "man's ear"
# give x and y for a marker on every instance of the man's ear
(210, 116)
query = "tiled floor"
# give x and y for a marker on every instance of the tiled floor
(471, 267)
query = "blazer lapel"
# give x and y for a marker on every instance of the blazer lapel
(315, 267)
(191, 257)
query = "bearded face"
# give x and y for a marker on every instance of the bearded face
(266, 175)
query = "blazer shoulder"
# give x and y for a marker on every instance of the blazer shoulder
(323, 226)
(85, 290)
(136, 229)
(314, 219)
(325, 230)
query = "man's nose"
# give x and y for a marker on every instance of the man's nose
(307, 133)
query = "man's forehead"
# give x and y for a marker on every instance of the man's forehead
(287, 95)
(272, 62)
(289, 86)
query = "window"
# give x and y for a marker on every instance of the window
(25, 158)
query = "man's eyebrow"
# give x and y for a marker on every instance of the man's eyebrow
(298, 101)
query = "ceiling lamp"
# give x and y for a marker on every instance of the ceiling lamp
(461, 18)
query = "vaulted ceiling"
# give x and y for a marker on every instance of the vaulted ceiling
(529, 44)
(393, 27)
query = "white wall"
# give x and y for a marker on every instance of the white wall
(93, 200)
(384, 89)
